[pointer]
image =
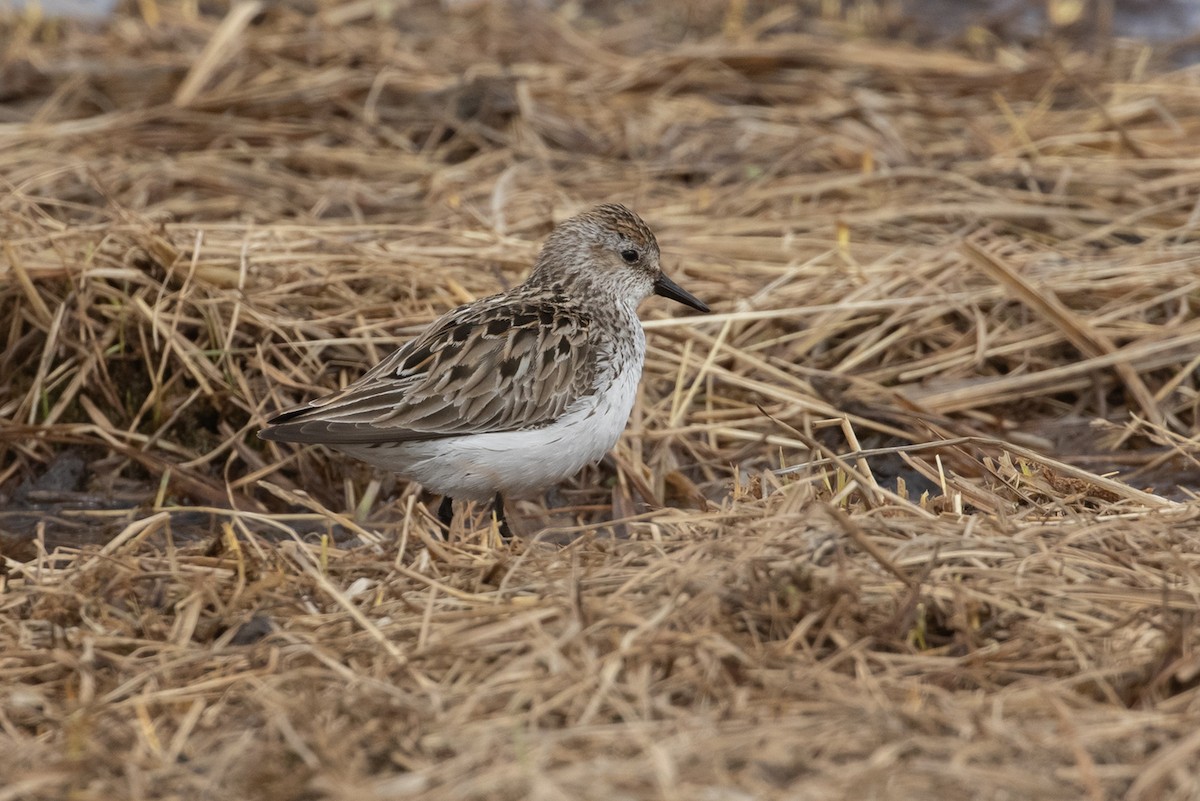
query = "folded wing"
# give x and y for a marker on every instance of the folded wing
(503, 366)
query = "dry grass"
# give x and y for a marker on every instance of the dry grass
(909, 517)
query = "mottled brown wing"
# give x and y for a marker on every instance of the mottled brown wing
(503, 366)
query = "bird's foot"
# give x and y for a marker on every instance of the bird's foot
(498, 516)
(445, 513)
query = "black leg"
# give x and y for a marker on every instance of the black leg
(498, 511)
(445, 513)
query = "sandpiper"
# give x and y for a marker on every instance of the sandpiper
(516, 392)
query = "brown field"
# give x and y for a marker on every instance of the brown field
(910, 516)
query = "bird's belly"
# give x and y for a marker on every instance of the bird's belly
(513, 463)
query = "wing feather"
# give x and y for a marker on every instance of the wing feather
(502, 364)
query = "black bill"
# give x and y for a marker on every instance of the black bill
(669, 289)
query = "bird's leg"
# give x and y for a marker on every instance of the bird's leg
(445, 512)
(498, 513)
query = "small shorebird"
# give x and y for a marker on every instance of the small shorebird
(515, 392)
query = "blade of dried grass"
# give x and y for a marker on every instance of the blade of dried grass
(1091, 342)
(32, 296)
(304, 560)
(1061, 378)
(221, 48)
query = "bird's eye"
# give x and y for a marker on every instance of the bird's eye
(630, 256)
